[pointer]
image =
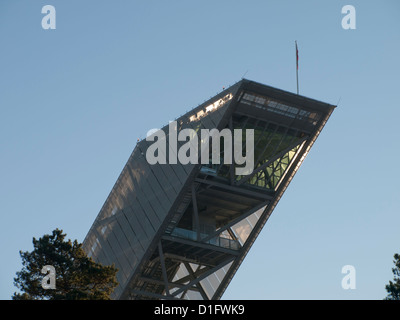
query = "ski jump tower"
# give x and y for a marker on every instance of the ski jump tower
(178, 231)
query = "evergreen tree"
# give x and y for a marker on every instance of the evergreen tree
(393, 288)
(77, 277)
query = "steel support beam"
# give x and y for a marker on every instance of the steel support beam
(201, 245)
(164, 270)
(236, 189)
(195, 212)
(204, 275)
(234, 221)
(198, 285)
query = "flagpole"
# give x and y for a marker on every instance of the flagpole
(297, 68)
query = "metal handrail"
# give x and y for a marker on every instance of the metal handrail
(216, 241)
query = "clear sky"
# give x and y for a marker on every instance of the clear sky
(74, 100)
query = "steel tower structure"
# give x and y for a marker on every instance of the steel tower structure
(179, 231)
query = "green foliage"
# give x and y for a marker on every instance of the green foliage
(78, 277)
(393, 288)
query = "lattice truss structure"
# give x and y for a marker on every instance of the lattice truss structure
(181, 231)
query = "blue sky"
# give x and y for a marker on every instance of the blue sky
(74, 100)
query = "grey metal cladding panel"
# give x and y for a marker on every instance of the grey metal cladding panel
(108, 251)
(113, 203)
(156, 185)
(224, 110)
(89, 242)
(210, 120)
(194, 125)
(160, 205)
(185, 121)
(100, 217)
(98, 255)
(105, 211)
(125, 190)
(133, 181)
(183, 170)
(117, 293)
(138, 177)
(207, 123)
(143, 226)
(179, 170)
(220, 111)
(114, 249)
(105, 248)
(121, 281)
(175, 183)
(123, 242)
(164, 182)
(197, 126)
(105, 226)
(142, 175)
(139, 234)
(140, 185)
(188, 167)
(101, 258)
(213, 119)
(123, 264)
(151, 206)
(150, 215)
(134, 250)
(179, 176)
(142, 193)
(169, 172)
(139, 224)
(155, 195)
